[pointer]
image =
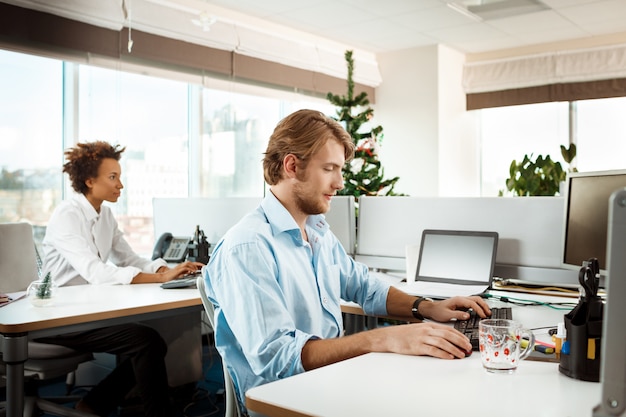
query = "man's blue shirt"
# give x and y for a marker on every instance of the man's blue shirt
(273, 291)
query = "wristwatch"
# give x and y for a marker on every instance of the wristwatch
(416, 305)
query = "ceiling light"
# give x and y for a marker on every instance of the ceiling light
(497, 9)
(204, 21)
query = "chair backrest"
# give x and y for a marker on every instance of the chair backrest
(232, 407)
(18, 259)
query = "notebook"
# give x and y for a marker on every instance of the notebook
(454, 262)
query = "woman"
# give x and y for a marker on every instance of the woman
(83, 245)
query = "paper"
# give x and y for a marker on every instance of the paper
(10, 297)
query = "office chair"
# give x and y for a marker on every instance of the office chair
(19, 266)
(232, 407)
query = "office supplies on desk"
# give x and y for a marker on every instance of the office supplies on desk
(198, 248)
(516, 285)
(583, 329)
(454, 262)
(470, 327)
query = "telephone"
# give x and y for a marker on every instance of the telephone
(171, 248)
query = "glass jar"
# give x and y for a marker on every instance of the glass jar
(41, 293)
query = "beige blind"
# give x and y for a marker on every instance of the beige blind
(558, 76)
(73, 40)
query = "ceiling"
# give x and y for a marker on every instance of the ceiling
(388, 25)
(370, 25)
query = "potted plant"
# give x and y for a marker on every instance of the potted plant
(41, 292)
(539, 177)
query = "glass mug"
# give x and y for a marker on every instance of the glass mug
(500, 344)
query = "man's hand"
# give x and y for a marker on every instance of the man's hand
(429, 339)
(454, 308)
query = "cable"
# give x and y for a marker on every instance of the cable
(523, 302)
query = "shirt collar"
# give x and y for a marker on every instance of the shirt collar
(280, 219)
(85, 207)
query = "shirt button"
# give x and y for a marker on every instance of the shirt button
(325, 300)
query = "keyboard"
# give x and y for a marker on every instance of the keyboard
(470, 327)
(185, 281)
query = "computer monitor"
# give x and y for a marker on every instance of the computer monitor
(586, 213)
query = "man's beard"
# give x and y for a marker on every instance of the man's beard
(308, 204)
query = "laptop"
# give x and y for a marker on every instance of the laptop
(454, 262)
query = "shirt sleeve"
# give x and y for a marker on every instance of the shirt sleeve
(70, 238)
(358, 285)
(245, 282)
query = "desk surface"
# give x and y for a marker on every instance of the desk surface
(86, 303)
(379, 384)
(384, 384)
(78, 308)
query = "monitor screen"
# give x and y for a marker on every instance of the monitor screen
(586, 215)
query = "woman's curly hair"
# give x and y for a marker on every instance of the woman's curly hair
(83, 161)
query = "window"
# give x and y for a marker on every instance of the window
(235, 131)
(181, 139)
(509, 133)
(31, 132)
(148, 116)
(601, 134)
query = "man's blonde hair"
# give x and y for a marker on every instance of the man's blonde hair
(302, 133)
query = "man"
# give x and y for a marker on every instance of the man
(277, 277)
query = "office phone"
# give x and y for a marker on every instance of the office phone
(171, 248)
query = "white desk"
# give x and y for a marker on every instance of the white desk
(79, 308)
(383, 384)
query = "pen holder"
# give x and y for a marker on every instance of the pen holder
(580, 354)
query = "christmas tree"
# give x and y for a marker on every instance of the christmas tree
(364, 174)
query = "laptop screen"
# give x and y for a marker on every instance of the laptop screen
(457, 257)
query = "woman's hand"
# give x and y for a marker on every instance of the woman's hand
(180, 270)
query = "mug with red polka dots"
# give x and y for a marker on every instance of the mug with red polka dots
(500, 344)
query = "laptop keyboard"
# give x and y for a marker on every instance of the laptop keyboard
(470, 327)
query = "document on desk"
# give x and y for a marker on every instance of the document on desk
(10, 297)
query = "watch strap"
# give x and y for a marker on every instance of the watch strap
(415, 309)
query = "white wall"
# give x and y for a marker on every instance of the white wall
(459, 150)
(407, 108)
(430, 140)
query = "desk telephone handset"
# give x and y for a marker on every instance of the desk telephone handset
(177, 249)
(171, 248)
